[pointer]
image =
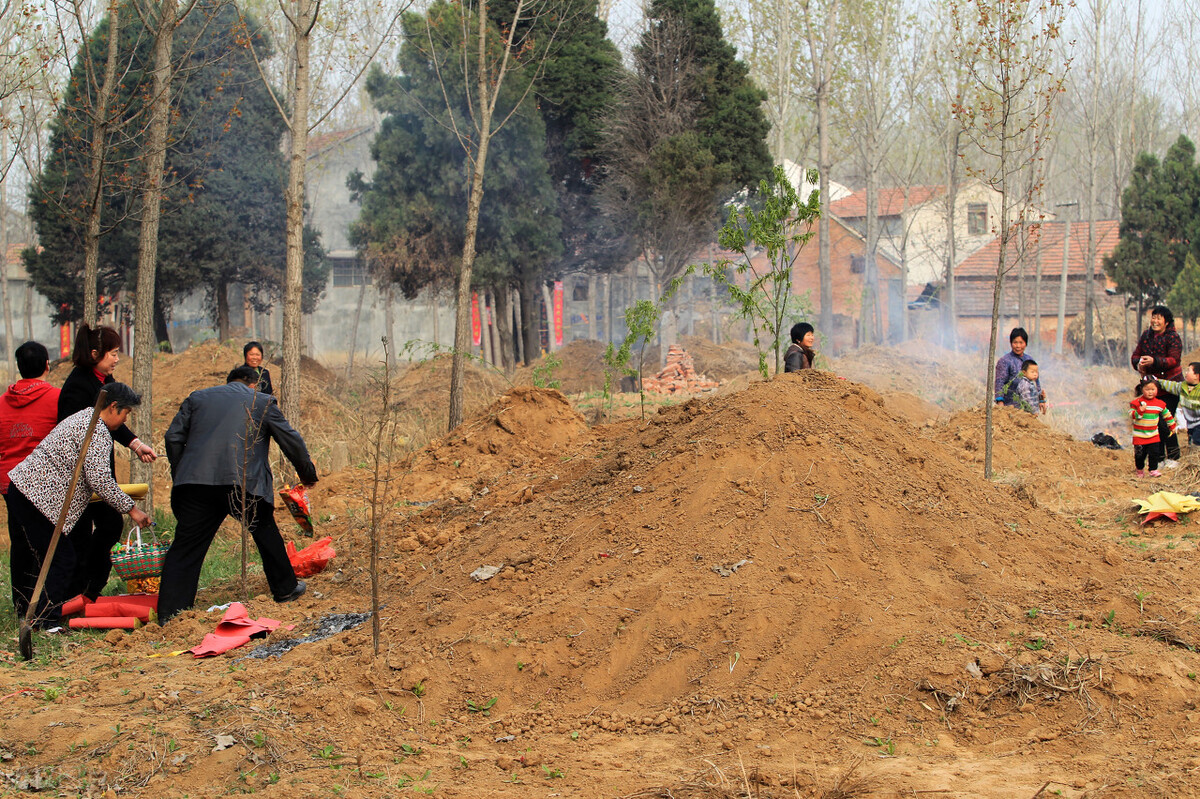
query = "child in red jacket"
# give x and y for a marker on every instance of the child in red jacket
(1146, 410)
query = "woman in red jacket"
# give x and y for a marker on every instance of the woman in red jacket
(1158, 355)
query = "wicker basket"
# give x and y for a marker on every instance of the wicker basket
(135, 560)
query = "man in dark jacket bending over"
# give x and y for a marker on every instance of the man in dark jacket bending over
(218, 445)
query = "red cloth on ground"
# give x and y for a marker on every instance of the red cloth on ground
(236, 628)
(28, 411)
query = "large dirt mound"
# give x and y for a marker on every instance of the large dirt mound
(835, 516)
(720, 362)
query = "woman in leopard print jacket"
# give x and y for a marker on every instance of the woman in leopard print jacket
(38, 491)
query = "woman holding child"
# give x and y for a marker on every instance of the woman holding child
(1017, 380)
(1158, 354)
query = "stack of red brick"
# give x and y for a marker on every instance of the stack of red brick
(678, 376)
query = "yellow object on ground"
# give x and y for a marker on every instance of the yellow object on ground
(135, 490)
(1168, 502)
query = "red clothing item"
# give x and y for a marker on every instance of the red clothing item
(1166, 348)
(28, 412)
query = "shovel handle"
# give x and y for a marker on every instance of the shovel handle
(62, 514)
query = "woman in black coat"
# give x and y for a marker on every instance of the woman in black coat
(96, 355)
(252, 354)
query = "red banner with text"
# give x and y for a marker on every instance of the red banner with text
(476, 325)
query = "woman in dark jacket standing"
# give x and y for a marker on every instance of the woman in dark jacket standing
(96, 355)
(252, 354)
(800, 355)
(1158, 354)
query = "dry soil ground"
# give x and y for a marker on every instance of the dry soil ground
(802, 587)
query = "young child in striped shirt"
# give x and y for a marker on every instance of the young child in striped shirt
(1145, 410)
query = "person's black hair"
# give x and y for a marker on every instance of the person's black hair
(1195, 366)
(1164, 312)
(800, 330)
(101, 339)
(122, 395)
(1028, 362)
(32, 358)
(243, 374)
(1018, 332)
(253, 345)
(1137, 392)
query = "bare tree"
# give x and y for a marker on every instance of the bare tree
(353, 32)
(161, 20)
(821, 37)
(1009, 49)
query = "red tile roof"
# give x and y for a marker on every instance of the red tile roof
(319, 144)
(891, 201)
(1049, 247)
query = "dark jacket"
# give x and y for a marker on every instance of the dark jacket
(797, 358)
(79, 391)
(1166, 348)
(222, 429)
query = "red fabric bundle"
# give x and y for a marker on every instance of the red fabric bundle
(100, 610)
(313, 558)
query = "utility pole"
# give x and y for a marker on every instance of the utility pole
(1062, 288)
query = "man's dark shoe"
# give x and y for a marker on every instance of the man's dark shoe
(297, 592)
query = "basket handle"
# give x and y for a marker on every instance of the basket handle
(129, 536)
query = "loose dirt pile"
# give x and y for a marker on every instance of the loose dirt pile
(721, 362)
(730, 599)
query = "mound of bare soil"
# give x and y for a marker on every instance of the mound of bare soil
(1049, 465)
(421, 392)
(720, 362)
(581, 368)
(729, 599)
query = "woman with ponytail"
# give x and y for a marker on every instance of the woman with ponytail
(97, 352)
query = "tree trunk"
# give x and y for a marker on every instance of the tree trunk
(949, 316)
(1062, 290)
(362, 293)
(95, 170)
(502, 297)
(462, 314)
(824, 164)
(494, 331)
(530, 297)
(222, 292)
(155, 160)
(485, 337)
(304, 18)
(5, 297)
(1037, 289)
(389, 326)
(514, 301)
(548, 299)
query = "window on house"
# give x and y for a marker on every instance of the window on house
(977, 221)
(858, 264)
(347, 272)
(579, 292)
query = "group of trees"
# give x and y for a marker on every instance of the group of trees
(588, 164)
(222, 196)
